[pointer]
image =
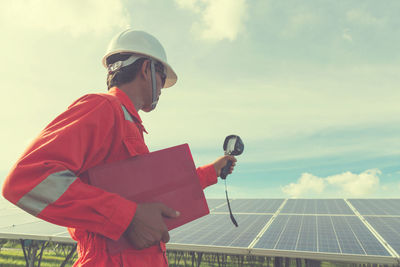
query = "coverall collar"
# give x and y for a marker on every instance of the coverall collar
(124, 98)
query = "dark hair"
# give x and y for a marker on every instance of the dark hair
(125, 74)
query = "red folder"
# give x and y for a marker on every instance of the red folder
(168, 176)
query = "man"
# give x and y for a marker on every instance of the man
(50, 179)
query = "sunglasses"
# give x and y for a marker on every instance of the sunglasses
(160, 69)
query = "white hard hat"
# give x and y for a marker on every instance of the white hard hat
(141, 44)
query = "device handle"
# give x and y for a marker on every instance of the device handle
(225, 170)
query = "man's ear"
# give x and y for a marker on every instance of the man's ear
(145, 67)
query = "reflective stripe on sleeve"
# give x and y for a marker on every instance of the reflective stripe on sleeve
(47, 192)
(128, 116)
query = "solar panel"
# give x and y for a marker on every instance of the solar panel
(388, 228)
(10, 220)
(214, 203)
(376, 206)
(7, 208)
(252, 206)
(355, 238)
(38, 230)
(218, 230)
(4, 204)
(35, 228)
(303, 228)
(333, 234)
(316, 206)
(307, 240)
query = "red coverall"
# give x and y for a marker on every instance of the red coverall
(49, 179)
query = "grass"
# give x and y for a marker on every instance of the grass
(15, 258)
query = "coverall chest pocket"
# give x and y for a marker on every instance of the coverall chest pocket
(133, 140)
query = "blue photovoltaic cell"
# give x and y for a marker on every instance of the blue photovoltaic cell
(347, 241)
(326, 234)
(376, 206)
(316, 206)
(308, 236)
(292, 229)
(388, 228)
(252, 206)
(213, 203)
(332, 234)
(355, 238)
(218, 230)
(270, 238)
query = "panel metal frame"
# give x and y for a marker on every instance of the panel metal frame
(285, 253)
(267, 225)
(59, 239)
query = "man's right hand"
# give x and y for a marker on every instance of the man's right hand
(147, 227)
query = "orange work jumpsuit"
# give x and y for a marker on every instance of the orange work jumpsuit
(49, 179)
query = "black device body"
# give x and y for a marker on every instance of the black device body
(233, 145)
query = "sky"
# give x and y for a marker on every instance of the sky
(311, 87)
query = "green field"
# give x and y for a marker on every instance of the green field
(11, 254)
(13, 258)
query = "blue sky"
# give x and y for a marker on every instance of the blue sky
(312, 87)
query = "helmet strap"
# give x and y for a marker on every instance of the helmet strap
(116, 66)
(154, 85)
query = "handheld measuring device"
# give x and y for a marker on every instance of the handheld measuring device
(233, 145)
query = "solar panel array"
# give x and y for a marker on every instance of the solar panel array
(322, 206)
(217, 230)
(377, 206)
(355, 230)
(332, 234)
(330, 229)
(388, 228)
(17, 224)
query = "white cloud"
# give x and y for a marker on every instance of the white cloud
(73, 16)
(220, 19)
(356, 185)
(350, 185)
(306, 185)
(362, 17)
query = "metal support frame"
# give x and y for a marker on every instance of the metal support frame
(30, 249)
(33, 252)
(221, 259)
(69, 256)
(195, 259)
